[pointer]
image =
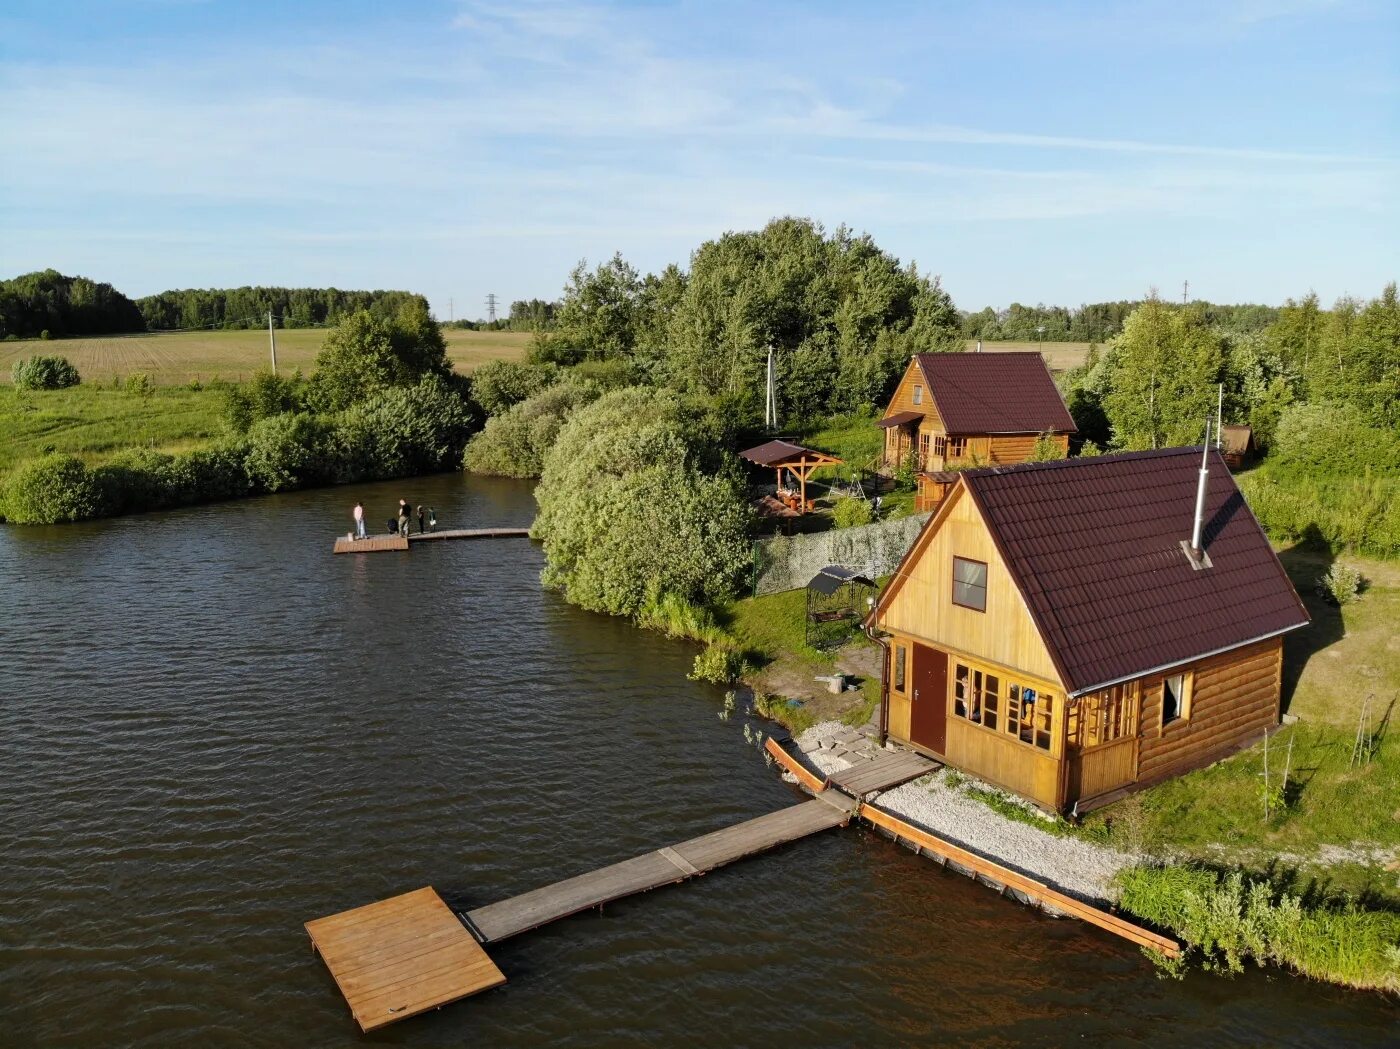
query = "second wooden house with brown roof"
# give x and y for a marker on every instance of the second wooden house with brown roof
(952, 410)
(1054, 630)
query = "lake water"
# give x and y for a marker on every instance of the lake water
(212, 730)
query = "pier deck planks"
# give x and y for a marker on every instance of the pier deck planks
(498, 921)
(376, 543)
(401, 956)
(888, 770)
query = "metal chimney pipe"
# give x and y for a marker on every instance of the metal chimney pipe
(1201, 494)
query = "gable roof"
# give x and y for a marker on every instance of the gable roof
(978, 393)
(781, 453)
(1095, 547)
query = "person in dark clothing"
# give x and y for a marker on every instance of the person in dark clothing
(393, 527)
(403, 517)
(420, 521)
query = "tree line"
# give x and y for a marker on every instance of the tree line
(1095, 322)
(248, 307)
(48, 304)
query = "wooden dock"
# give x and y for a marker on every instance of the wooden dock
(408, 954)
(676, 863)
(401, 956)
(376, 543)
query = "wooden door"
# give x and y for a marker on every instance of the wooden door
(928, 709)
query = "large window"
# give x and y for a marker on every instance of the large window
(970, 584)
(956, 447)
(1103, 717)
(899, 659)
(1019, 711)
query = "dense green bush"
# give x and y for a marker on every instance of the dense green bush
(43, 373)
(720, 664)
(136, 481)
(1358, 513)
(1341, 584)
(627, 517)
(51, 489)
(1334, 438)
(497, 385)
(514, 443)
(402, 431)
(209, 474)
(289, 451)
(366, 354)
(261, 397)
(850, 512)
(1224, 919)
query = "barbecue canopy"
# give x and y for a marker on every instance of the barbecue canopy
(784, 455)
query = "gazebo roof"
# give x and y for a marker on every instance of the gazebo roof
(833, 577)
(785, 453)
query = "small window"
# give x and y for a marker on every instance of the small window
(956, 447)
(940, 445)
(899, 656)
(1176, 698)
(970, 584)
(924, 441)
(918, 395)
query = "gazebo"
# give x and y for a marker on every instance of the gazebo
(799, 462)
(837, 597)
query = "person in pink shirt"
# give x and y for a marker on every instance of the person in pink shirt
(359, 521)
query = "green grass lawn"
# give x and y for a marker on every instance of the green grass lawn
(95, 423)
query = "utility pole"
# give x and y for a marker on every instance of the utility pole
(272, 341)
(1185, 287)
(450, 318)
(491, 307)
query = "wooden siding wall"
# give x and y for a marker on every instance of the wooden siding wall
(903, 399)
(1005, 762)
(1234, 698)
(923, 606)
(1017, 448)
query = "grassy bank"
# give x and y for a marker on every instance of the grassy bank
(95, 423)
(1225, 918)
(179, 358)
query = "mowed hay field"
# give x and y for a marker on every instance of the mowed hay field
(1061, 356)
(184, 357)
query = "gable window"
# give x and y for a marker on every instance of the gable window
(1176, 698)
(899, 657)
(956, 447)
(918, 395)
(970, 584)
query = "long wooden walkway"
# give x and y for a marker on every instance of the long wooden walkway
(676, 863)
(377, 543)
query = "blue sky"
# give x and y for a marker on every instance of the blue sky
(1036, 152)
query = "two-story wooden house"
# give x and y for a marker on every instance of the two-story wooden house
(970, 409)
(1053, 631)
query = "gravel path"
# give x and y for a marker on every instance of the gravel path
(1071, 865)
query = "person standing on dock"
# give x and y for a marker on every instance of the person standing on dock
(403, 518)
(432, 519)
(420, 520)
(359, 521)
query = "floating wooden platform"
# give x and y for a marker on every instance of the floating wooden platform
(498, 921)
(370, 545)
(887, 771)
(401, 956)
(376, 543)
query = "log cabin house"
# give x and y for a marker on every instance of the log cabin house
(970, 409)
(1053, 631)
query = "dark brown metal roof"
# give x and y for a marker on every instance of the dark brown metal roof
(780, 453)
(1095, 546)
(899, 419)
(979, 393)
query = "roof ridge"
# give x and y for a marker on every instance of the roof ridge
(1080, 461)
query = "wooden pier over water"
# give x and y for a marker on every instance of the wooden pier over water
(374, 544)
(410, 953)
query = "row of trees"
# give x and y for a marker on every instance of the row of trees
(238, 308)
(1319, 388)
(1095, 322)
(48, 304)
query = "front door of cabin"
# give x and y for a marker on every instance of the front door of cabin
(928, 709)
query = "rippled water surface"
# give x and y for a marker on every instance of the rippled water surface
(212, 731)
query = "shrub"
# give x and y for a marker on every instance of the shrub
(850, 512)
(208, 474)
(287, 451)
(44, 373)
(1047, 449)
(51, 489)
(1356, 512)
(514, 444)
(1334, 438)
(497, 385)
(136, 481)
(401, 431)
(139, 383)
(719, 664)
(1340, 584)
(676, 617)
(261, 397)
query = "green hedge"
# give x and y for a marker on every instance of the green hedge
(1358, 513)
